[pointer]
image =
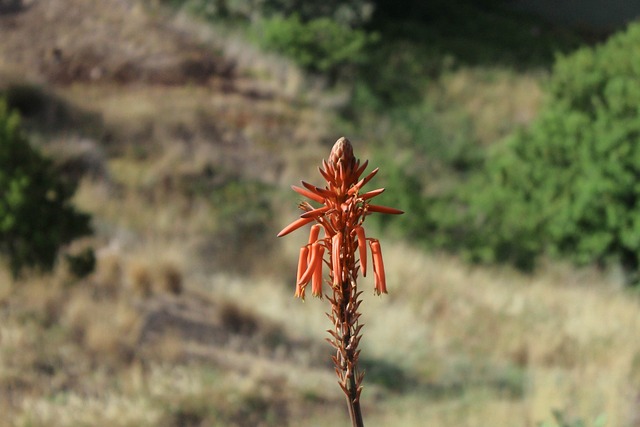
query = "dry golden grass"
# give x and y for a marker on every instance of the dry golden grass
(170, 279)
(503, 348)
(451, 345)
(140, 279)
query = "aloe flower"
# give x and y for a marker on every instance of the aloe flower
(334, 239)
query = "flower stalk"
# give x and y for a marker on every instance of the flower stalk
(338, 232)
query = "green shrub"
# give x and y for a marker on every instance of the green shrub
(36, 215)
(82, 264)
(561, 420)
(320, 45)
(570, 184)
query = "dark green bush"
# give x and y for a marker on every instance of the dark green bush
(320, 45)
(569, 185)
(36, 215)
(82, 264)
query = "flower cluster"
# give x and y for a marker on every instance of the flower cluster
(341, 214)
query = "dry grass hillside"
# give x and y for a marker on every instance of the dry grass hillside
(185, 140)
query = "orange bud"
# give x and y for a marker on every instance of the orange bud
(320, 191)
(295, 225)
(367, 178)
(361, 169)
(326, 175)
(341, 173)
(371, 194)
(384, 209)
(342, 152)
(336, 247)
(316, 212)
(309, 194)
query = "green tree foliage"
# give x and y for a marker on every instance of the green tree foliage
(320, 45)
(353, 13)
(36, 215)
(570, 184)
(322, 37)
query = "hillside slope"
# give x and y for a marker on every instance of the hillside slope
(185, 139)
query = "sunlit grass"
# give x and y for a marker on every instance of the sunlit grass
(467, 331)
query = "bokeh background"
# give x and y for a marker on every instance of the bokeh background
(146, 153)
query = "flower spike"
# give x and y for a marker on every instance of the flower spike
(342, 211)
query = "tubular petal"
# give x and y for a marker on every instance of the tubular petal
(378, 267)
(295, 225)
(362, 248)
(316, 285)
(302, 264)
(316, 253)
(384, 209)
(308, 194)
(336, 246)
(314, 233)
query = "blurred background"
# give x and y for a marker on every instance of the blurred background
(147, 148)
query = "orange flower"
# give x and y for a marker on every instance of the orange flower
(362, 249)
(378, 267)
